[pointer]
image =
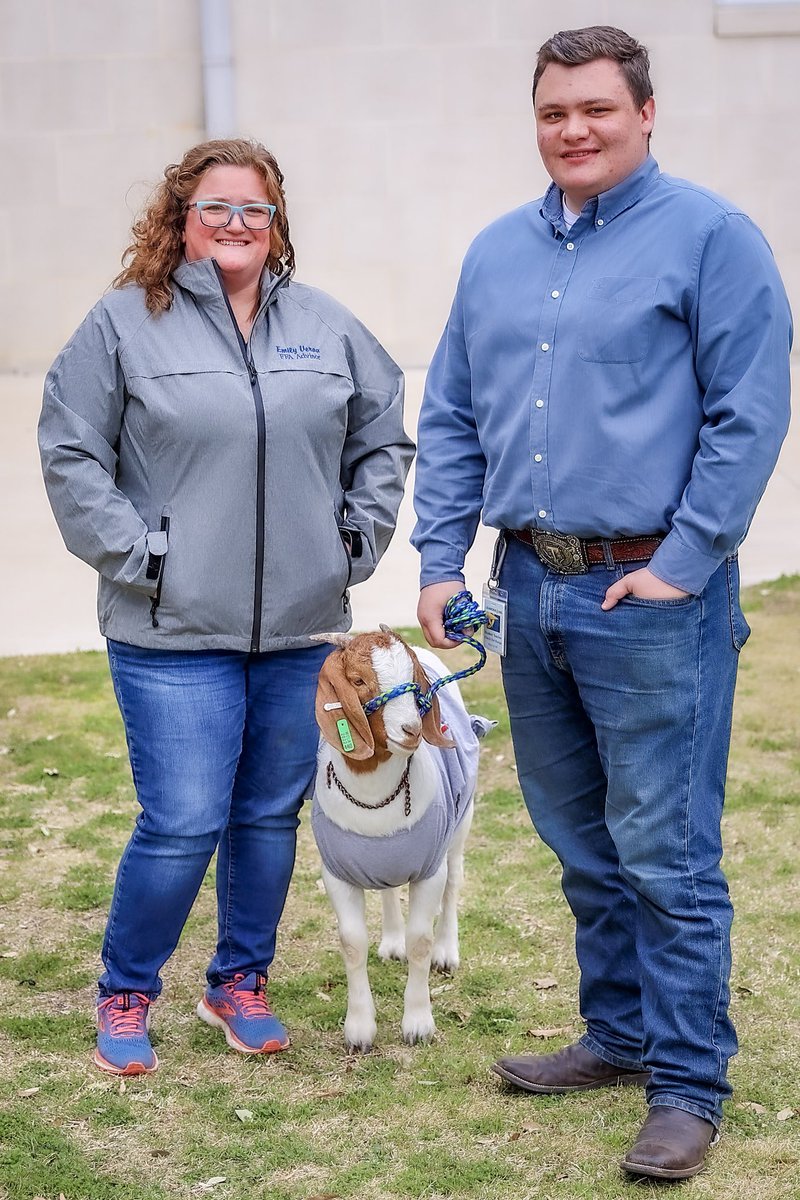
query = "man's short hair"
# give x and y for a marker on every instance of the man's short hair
(571, 47)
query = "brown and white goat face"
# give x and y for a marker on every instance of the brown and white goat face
(364, 667)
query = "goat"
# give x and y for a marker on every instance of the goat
(392, 804)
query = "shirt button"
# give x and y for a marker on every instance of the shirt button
(555, 295)
(600, 221)
(545, 345)
(570, 245)
(537, 458)
(540, 403)
(542, 512)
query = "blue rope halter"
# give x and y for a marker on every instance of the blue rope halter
(460, 614)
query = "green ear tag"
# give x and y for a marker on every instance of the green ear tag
(345, 736)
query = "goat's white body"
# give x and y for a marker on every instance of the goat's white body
(438, 894)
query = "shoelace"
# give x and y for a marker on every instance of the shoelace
(253, 1004)
(123, 1020)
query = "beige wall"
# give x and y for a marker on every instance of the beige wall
(403, 126)
(95, 97)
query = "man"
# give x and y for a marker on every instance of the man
(611, 392)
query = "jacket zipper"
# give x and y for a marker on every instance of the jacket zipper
(348, 552)
(157, 598)
(261, 466)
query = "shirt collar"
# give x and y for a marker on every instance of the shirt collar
(608, 204)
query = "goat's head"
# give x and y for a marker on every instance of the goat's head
(364, 666)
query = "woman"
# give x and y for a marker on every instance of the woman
(225, 446)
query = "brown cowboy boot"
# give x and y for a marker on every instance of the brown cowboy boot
(672, 1144)
(573, 1069)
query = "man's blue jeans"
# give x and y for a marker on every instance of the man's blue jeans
(223, 750)
(621, 727)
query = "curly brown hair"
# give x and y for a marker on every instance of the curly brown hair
(157, 245)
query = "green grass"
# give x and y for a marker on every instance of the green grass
(426, 1122)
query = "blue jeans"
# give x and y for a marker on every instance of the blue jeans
(621, 727)
(223, 750)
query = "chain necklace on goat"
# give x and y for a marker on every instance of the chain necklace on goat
(403, 784)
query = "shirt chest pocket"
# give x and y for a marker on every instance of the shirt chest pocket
(617, 319)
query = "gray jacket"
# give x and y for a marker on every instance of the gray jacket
(208, 480)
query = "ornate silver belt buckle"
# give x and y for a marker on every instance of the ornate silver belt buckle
(560, 552)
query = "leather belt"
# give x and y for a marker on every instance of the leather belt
(571, 555)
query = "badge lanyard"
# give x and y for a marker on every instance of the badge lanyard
(495, 602)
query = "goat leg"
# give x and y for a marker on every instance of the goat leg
(424, 900)
(360, 1029)
(393, 931)
(445, 955)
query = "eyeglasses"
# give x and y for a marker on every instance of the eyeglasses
(216, 214)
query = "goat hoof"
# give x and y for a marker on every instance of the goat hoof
(359, 1048)
(392, 952)
(419, 1031)
(359, 1036)
(445, 961)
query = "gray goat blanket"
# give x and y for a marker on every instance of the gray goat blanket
(416, 852)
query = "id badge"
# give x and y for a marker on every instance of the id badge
(495, 605)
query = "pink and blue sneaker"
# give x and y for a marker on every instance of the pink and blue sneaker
(123, 1045)
(240, 1008)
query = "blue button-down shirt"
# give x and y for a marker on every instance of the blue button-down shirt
(626, 376)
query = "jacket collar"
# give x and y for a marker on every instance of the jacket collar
(201, 279)
(607, 205)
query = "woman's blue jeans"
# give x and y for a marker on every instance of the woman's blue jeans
(223, 750)
(621, 727)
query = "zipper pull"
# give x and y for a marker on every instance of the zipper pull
(153, 608)
(345, 603)
(251, 367)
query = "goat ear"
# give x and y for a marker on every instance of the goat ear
(334, 688)
(432, 721)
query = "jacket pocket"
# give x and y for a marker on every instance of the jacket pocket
(156, 563)
(352, 543)
(618, 317)
(740, 630)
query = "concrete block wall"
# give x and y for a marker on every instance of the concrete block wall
(402, 129)
(96, 96)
